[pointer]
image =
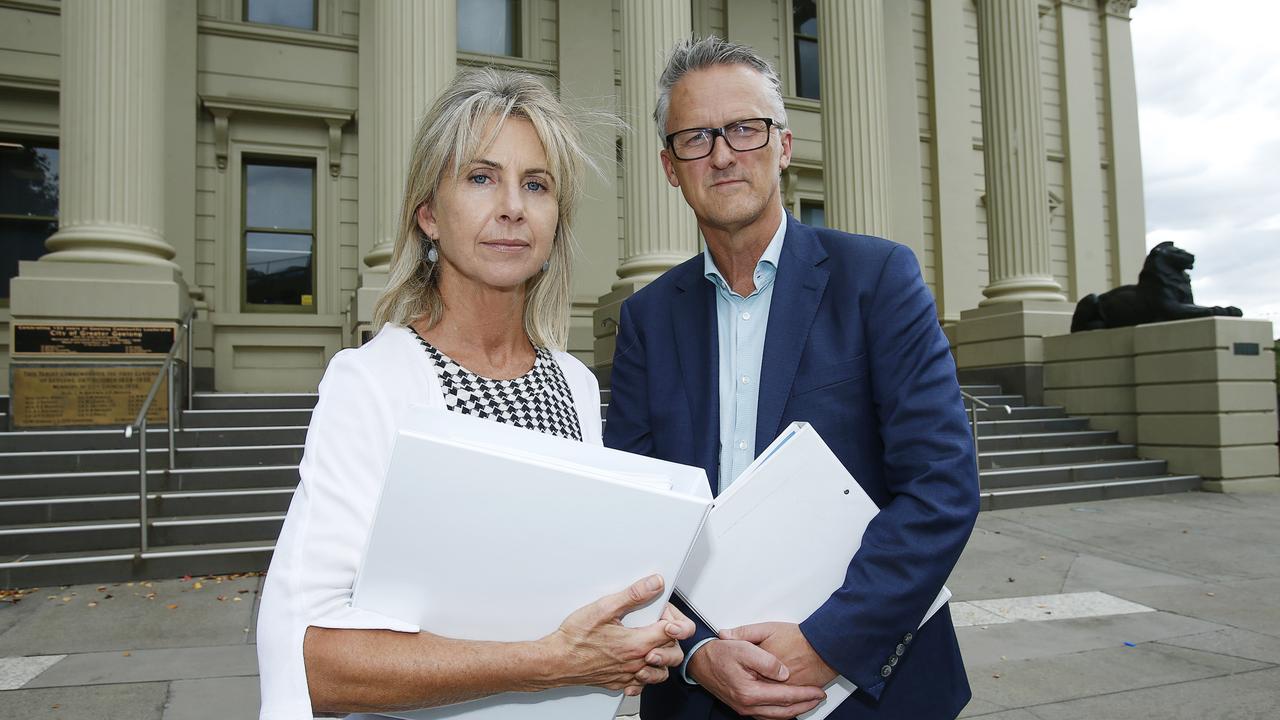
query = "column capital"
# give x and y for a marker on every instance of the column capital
(1119, 8)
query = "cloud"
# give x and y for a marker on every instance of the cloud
(1209, 113)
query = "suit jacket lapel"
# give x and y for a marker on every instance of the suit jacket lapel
(797, 292)
(693, 319)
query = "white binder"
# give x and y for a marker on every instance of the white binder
(795, 517)
(473, 512)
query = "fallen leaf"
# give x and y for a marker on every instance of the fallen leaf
(126, 653)
(996, 675)
(235, 599)
(1209, 594)
(172, 606)
(93, 604)
(66, 598)
(108, 596)
(55, 707)
(241, 592)
(102, 588)
(198, 585)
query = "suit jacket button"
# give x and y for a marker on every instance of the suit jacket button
(900, 650)
(907, 640)
(893, 660)
(886, 671)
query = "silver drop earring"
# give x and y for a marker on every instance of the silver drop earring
(433, 255)
(546, 266)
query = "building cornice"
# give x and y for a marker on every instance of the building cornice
(1082, 4)
(48, 7)
(28, 82)
(1119, 8)
(222, 108)
(254, 31)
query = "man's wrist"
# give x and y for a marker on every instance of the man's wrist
(688, 658)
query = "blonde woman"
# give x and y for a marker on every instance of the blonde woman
(474, 319)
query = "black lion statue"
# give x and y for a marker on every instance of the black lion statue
(1163, 293)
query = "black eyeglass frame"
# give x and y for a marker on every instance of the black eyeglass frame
(769, 125)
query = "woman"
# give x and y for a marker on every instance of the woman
(473, 319)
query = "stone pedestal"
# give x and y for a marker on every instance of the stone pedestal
(1091, 374)
(1003, 343)
(1205, 397)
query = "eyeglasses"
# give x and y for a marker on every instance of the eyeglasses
(741, 136)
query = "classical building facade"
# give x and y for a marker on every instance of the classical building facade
(245, 158)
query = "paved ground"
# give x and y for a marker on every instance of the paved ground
(1165, 607)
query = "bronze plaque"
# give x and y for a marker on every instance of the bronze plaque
(96, 339)
(67, 396)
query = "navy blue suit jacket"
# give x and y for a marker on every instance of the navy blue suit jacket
(853, 347)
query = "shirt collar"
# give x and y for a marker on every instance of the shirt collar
(768, 260)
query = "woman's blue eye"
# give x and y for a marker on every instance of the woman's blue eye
(479, 179)
(535, 186)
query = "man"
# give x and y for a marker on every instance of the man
(779, 322)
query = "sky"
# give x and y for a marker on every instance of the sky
(1209, 118)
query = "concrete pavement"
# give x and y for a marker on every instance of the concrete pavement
(1164, 607)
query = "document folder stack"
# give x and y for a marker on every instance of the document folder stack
(490, 532)
(778, 542)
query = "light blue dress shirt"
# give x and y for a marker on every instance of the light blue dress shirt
(740, 324)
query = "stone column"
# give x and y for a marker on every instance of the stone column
(1088, 239)
(855, 116)
(109, 279)
(1013, 144)
(111, 191)
(410, 47)
(658, 229)
(1128, 220)
(1002, 341)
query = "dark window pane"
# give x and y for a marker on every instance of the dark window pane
(292, 13)
(278, 196)
(20, 240)
(278, 269)
(804, 17)
(807, 68)
(489, 26)
(28, 179)
(813, 214)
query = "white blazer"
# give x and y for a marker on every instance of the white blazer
(363, 396)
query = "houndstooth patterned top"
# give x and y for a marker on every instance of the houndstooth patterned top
(538, 400)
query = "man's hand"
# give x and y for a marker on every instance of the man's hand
(785, 642)
(751, 681)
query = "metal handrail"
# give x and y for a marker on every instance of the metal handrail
(974, 402)
(139, 424)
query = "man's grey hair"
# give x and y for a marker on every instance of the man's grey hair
(689, 54)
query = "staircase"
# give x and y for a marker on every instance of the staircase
(69, 499)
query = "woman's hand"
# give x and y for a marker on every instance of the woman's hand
(592, 647)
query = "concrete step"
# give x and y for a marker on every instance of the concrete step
(982, 389)
(62, 461)
(997, 478)
(247, 401)
(1047, 412)
(998, 399)
(84, 508)
(253, 417)
(1056, 456)
(1078, 492)
(91, 536)
(125, 481)
(1028, 441)
(81, 440)
(1024, 427)
(124, 564)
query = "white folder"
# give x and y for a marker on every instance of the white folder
(490, 532)
(778, 542)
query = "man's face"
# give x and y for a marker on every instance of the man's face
(728, 190)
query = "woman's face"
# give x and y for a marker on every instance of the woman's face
(495, 222)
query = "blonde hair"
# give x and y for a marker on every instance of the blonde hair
(454, 132)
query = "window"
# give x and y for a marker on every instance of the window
(290, 13)
(804, 20)
(813, 214)
(491, 27)
(279, 235)
(28, 203)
